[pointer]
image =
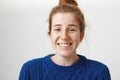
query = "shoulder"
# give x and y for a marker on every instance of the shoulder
(97, 69)
(96, 64)
(36, 62)
(33, 62)
(91, 63)
(31, 67)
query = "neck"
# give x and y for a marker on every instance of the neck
(65, 61)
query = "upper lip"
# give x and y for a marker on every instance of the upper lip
(64, 43)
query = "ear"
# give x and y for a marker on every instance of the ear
(81, 36)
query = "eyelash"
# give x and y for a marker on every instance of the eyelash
(71, 30)
(57, 29)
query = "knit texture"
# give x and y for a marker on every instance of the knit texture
(45, 69)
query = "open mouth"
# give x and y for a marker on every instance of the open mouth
(64, 44)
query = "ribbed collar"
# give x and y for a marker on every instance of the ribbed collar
(52, 66)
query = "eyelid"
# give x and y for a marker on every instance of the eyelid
(73, 29)
(56, 29)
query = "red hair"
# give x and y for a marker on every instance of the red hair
(68, 6)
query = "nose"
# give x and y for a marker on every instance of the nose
(64, 35)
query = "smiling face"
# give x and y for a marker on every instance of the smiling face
(65, 34)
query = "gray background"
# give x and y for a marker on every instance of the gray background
(24, 26)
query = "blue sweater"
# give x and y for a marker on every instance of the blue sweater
(45, 69)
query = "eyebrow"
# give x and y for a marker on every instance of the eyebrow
(56, 25)
(72, 25)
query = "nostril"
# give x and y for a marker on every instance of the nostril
(64, 36)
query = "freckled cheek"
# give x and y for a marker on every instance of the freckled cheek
(76, 38)
(54, 37)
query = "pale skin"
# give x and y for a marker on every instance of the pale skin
(65, 37)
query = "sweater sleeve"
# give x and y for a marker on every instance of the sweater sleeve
(102, 73)
(24, 73)
(105, 75)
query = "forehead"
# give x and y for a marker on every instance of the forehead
(63, 14)
(64, 18)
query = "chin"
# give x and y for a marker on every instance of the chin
(65, 53)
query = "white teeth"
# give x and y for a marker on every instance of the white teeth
(64, 44)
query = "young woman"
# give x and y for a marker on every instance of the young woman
(66, 31)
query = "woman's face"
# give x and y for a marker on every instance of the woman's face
(65, 34)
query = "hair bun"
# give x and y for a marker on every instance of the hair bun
(71, 2)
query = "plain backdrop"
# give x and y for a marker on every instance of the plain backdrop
(24, 27)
